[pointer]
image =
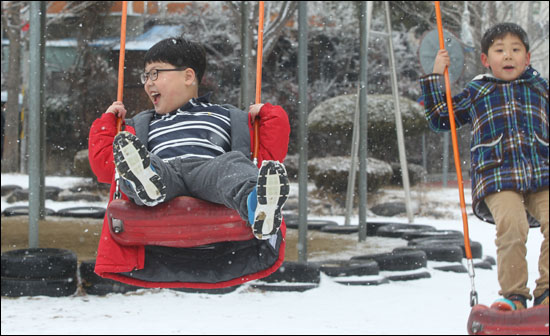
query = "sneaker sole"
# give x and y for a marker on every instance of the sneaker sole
(273, 189)
(134, 165)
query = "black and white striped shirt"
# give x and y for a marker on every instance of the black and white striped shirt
(198, 129)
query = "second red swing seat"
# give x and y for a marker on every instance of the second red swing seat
(181, 222)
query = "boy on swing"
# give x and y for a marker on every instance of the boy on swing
(508, 110)
(188, 146)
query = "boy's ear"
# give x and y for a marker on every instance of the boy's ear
(190, 76)
(485, 60)
(528, 59)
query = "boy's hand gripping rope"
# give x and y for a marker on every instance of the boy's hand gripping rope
(473, 293)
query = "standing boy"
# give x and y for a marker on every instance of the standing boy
(508, 110)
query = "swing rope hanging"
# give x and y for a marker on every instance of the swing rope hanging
(467, 248)
(121, 57)
(259, 60)
(187, 222)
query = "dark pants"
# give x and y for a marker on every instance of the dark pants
(227, 179)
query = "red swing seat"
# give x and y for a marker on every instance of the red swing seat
(181, 222)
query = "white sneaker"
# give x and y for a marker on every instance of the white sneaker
(273, 189)
(133, 164)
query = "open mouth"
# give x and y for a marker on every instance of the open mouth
(509, 67)
(155, 97)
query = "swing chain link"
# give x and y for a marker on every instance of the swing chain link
(471, 273)
(116, 194)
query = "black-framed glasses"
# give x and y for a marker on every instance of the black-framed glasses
(154, 74)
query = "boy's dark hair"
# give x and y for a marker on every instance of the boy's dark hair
(499, 31)
(180, 53)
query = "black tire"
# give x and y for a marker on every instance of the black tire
(213, 291)
(354, 228)
(284, 287)
(341, 229)
(8, 188)
(82, 212)
(483, 265)
(93, 284)
(23, 210)
(457, 268)
(490, 260)
(409, 276)
(398, 261)
(438, 252)
(295, 272)
(13, 287)
(343, 268)
(399, 230)
(368, 281)
(105, 288)
(39, 263)
(433, 234)
(312, 224)
(50, 192)
(372, 227)
(475, 247)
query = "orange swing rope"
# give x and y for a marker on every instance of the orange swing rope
(259, 60)
(467, 248)
(121, 59)
(132, 225)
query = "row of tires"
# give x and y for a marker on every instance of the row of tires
(77, 211)
(54, 272)
(439, 245)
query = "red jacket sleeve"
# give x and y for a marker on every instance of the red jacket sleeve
(274, 133)
(100, 147)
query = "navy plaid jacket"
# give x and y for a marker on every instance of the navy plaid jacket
(509, 144)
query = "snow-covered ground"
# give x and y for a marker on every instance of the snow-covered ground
(438, 305)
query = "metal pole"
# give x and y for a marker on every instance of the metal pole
(355, 143)
(398, 121)
(363, 29)
(36, 118)
(245, 54)
(302, 131)
(353, 163)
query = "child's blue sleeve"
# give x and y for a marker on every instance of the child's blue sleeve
(435, 104)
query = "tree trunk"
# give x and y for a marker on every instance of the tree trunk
(10, 159)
